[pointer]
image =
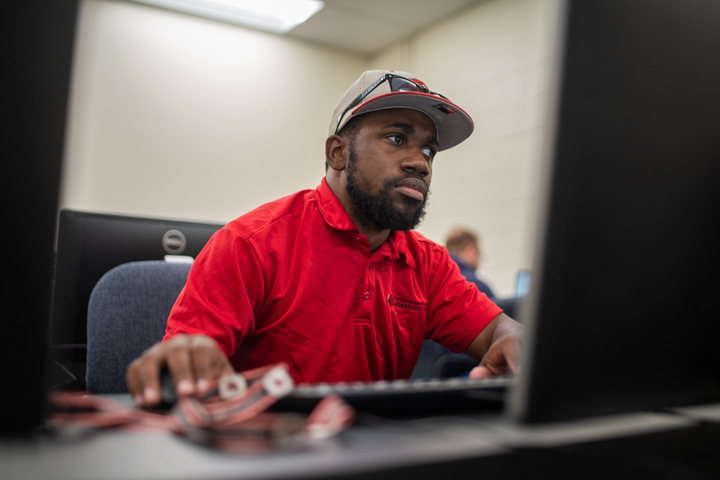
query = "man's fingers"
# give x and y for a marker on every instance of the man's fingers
(480, 372)
(192, 360)
(513, 361)
(180, 364)
(511, 352)
(492, 364)
(501, 356)
(134, 384)
(148, 372)
(209, 362)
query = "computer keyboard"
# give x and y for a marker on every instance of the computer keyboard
(402, 397)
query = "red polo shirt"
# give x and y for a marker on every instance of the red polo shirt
(295, 281)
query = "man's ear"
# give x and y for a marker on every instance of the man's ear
(335, 152)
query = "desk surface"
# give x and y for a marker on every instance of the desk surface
(374, 445)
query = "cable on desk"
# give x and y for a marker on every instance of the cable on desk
(237, 422)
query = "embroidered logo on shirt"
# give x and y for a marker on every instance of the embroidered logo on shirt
(398, 302)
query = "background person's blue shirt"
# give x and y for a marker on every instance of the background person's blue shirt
(469, 273)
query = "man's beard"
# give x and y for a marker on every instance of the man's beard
(378, 209)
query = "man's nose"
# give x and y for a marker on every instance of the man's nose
(416, 161)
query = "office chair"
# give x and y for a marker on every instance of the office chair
(436, 361)
(127, 314)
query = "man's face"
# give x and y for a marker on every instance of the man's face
(390, 167)
(471, 256)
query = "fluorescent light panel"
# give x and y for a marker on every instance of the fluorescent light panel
(276, 16)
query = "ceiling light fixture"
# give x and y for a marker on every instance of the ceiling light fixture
(276, 16)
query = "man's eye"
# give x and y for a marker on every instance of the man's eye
(428, 152)
(396, 139)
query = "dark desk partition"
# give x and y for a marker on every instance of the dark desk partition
(36, 40)
(624, 303)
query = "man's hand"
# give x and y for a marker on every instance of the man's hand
(497, 347)
(502, 355)
(193, 360)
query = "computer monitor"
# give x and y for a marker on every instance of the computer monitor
(623, 310)
(522, 283)
(90, 244)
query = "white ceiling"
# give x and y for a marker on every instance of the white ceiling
(367, 26)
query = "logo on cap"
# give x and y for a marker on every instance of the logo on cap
(174, 242)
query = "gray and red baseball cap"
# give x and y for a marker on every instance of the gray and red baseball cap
(384, 89)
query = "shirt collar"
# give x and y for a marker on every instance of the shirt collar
(332, 210)
(398, 245)
(336, 217)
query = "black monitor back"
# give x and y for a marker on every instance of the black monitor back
(90, 244)
(37, 41)
(623, 312)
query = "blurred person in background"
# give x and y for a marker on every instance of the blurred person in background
(464, 248)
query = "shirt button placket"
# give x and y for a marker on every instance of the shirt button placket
(369, 281)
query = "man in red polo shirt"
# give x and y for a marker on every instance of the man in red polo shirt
(334, 281)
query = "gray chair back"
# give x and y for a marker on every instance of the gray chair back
(127, 314)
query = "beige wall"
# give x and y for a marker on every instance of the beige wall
(176, 116)
(493, 60)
